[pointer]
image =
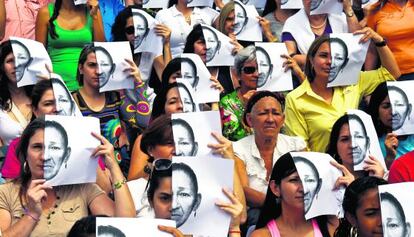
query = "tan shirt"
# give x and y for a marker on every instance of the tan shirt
(72, 203)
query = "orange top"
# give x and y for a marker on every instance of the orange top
(396, 24)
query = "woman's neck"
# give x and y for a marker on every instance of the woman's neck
(319, 86)
(70, 5)
(292, 217)
(265, 143)
(317, 19)
(91, 92)
(182, 7)
(16, 91)
(281, 15)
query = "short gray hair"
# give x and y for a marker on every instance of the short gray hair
(244, 55)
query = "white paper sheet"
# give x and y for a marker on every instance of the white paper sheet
(132, 227)
(402, 98)
(246, 23)
(219, 48)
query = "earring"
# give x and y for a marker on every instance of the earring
(195, 214)
(25, 165)
(277, 200)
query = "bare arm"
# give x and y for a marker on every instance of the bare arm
(42, 24)
(371, 61)
(299, 58)
(2, 19)
(97, 23)
(351, 19)
(138, 161)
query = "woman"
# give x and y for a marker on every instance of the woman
(221, 76)
(181, 19)
(312, 108)
(29, 207)
(340, 148)
(15, 102)
(276, 16)
(43, 102)
(283, 210)
(106, 105)
(257, 153)
(301, 29)
(379, 107)
(362, 209)
(138, 102)
(393, 20)
(160, 196)
(64, 28)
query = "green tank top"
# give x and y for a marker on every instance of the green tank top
(64, 51)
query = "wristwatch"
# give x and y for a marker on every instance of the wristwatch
(349, 13)
(381, 43)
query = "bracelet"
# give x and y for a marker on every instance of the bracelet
(381, 44)
(292, 55)
(234, 232)
(26, 212)
(119, 184)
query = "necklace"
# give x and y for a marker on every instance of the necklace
(319, 26)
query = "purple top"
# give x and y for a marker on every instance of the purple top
(287, 36)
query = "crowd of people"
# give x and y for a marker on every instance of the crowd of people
(259, 128)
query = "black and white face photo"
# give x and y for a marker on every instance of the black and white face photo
(184, 138)
(339, 57)
(315, 4)
(22, 58)
(264, 65)
(396, 209)
(189, 72)
(400, 105)
(359, 138)
(141, 28)
(240, 18)
(212, 43)
(187, 98)
(106, 65)
(283, 2)
(65, 105)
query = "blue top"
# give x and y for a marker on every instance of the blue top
(109, 10)
(404, 146)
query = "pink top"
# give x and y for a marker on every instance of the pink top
(11, 166)
(274, 231)
(21, 17)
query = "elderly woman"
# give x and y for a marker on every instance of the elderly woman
(312, 108)
(232, 105)
(256, 154)
(29, 207)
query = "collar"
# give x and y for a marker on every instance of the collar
(175, 12)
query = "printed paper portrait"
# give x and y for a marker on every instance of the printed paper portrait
(291, 4)
(397, 210)
(65, 104)
(347, 58)
(192, 132)
(272, 75)
(113, 70)
(197, 75)
(145, 38)
(197, 184)
(219, 48)
(30, 58)
(187, 96)
(318, 178)
(326, 7)
(68, 146)
(131, 227)
(200, 3)
(401, 98)
(154, 4)
(364, 139)
(246, 25)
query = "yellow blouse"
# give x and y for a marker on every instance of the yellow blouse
(308, 115)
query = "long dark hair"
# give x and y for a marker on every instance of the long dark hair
(333, 139)
(195, 34)
(353, 195)
(87, 49)
(159, 132)
(379, 95)
(309, 71)
(5, 97)
(118, 28)
(155, 181)
(56, 9)
(21, 153)
(158, 108)
(270, 6)
(38, 90)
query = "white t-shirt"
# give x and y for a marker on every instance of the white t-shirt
(180, 29)
(247, 151)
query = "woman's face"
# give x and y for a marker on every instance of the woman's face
(311, 183)
(249, 80)
(47, 104)
(229, 23)
(173, 102)
(162, 201)
(90, 71)
(35, 157)
(9, 67)
(185, 197)
(394, 224)
(174, 76)
(344, 146)
(291, 191)
(200, 49)
(130, 37)
(163, 151)
(385, 112)
(368, 215)
(321, 62)
(266, 117)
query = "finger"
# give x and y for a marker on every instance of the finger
(101, 138)
(174, 231)
(233, 198)
(342, 168)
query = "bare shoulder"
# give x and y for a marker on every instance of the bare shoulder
(262, 232)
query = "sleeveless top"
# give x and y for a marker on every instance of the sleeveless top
(64, 51)
(274, 231)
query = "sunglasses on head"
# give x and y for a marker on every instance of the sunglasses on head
(162, 164)
(249, 70)
(129, 30)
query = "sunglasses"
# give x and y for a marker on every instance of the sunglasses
(162, 164)
(249, 70)
(129, 30)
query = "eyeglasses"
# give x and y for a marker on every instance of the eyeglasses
(249, 70)
(129, 30)
(162, 164)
